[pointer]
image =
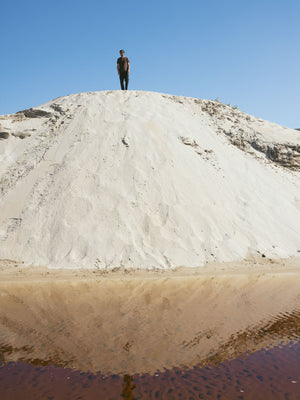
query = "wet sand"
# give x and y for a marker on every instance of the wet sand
(14, 270)
(144, 322)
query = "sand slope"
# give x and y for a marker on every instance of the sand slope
(145, 180)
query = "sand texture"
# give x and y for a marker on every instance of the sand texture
(145, 180)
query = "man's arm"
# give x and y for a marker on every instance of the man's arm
(128, 67)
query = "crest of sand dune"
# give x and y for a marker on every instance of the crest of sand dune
(145, 180)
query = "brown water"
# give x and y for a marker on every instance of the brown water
(267, 374)
(227, 337)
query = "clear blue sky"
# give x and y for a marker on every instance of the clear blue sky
(246, 53)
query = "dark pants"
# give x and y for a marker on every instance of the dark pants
(124, 77)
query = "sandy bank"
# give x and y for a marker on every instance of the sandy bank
(15, 271)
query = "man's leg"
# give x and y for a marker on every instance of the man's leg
(122, 80)
(126, 80)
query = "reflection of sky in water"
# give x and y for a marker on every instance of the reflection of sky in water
(199, 337)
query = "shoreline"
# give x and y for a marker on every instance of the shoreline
(15, 271)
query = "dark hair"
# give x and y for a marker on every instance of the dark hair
(122, 51)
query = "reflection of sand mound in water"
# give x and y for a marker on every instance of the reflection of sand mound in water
(144, 180)
(135, 325)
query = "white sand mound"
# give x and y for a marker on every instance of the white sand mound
(145, 180)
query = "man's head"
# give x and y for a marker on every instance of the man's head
(122, 52)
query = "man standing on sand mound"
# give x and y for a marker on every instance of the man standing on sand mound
(123, 69)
